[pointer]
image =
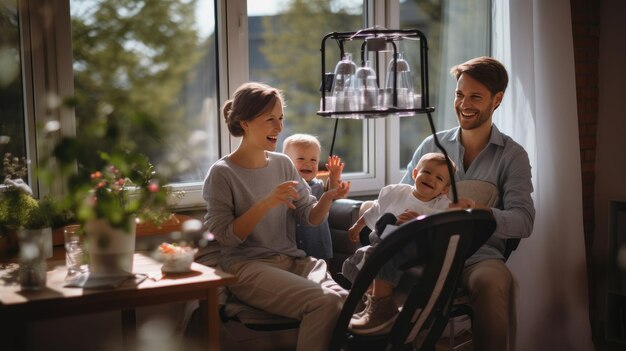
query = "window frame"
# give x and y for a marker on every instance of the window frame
(48, 69)
(46, 58)
(362, 183)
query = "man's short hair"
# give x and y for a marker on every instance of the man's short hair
(487, 70)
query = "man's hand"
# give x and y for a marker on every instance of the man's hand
(406, 216)
(463, 203)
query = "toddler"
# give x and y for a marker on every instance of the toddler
(304, 150)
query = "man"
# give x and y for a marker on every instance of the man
(482, 152)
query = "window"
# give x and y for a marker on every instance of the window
(171, 64)
(284, 40)
(12, 121)
(456, 31)
(284, 51)
(151, 63)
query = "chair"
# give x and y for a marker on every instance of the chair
(231, 309)
(487, 194)
(452, 237)
(343, 213)
(461, 304)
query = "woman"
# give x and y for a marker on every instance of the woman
(254, 198)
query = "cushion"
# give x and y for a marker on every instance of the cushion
(481, 191)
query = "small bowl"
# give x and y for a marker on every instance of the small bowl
(178, 261)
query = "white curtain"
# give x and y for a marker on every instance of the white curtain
(534, 41)
(463, 26)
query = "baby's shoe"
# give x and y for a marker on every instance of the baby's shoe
(377, 317)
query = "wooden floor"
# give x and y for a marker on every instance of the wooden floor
(604, 345)
(444, 345)
(462, 342)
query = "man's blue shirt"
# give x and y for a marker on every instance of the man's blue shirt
(502, 162)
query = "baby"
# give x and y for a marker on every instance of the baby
(396, 204)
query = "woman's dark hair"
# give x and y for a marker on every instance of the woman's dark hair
(487, 70)
(248, 102)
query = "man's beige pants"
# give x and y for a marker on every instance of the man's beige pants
(492, 292)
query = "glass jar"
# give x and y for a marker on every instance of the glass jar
(366, 88)
(343, 86)
(399, 72)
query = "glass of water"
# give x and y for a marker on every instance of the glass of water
(75, 259)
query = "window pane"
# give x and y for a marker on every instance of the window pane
(12, 128)
(284, 51)
(456, 31)
(142, 66)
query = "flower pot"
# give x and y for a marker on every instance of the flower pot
(32, 259)
(110, 249)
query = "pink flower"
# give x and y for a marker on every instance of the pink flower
(96, 175)
(153, 187)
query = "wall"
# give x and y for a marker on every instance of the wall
(610, 161)
(586, 32)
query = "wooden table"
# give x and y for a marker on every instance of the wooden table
(17, 308)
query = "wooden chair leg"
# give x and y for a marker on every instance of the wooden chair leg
(129, 329)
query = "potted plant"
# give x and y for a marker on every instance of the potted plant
(19, 211)
(15, 206)
(16, 201)
(41, 219)
(27, 221)
(105, 182)
(109, 204)
(16, 196)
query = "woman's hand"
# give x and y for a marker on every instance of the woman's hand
(285, 193)
(334, 167)
(406, 216)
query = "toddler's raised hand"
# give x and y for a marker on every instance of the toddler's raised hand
(335, 168)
